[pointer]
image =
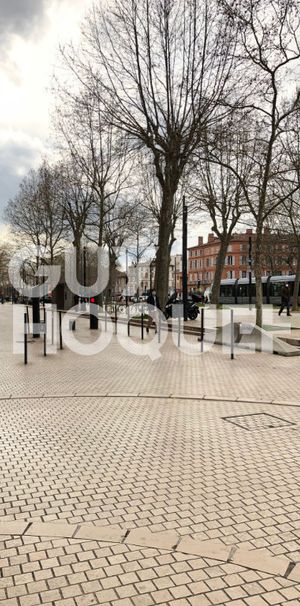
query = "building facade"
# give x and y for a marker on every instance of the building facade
(141, 276)
(279, 258)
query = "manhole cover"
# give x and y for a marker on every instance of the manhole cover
(258, 421)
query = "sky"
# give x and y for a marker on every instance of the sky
(30, 34)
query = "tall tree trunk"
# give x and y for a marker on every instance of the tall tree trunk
(297, 279)
(111, 287)
(258, 257)
(163, 252)
(219, 270)
(77, 244)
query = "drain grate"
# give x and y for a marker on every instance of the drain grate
(258, 420)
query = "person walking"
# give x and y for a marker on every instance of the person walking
(152, 300)
(285, 300)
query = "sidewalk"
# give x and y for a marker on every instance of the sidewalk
(95, 449)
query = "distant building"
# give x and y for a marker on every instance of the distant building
(279, 257)
(142, 275)
(175, 274)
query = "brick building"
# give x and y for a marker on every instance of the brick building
(279, 257)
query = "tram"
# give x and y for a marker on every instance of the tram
(237, 291)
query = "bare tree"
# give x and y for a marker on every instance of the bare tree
(36, 211)
(5, 257)
(287, 217)
(217, 190)
(269, 47)
(93, 145)
(162, 69)
(141, 233)
(77, 201)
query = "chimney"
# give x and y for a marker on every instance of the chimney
(211, 237)
(200, 240)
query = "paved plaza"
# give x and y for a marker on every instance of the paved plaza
(134, 482)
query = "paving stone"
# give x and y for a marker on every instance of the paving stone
(207, 549)
(12, 527)
(143, 537)
(107, 533)
(38, 529)
(275, 566)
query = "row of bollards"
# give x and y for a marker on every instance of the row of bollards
(179, 327)
(42, 328)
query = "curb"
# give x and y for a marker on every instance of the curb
(147, 395)
(258, 559)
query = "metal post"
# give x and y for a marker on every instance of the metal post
(105, 315)
(116, 319)
(175, 276)
(45, 332)
(36, 315)
(52, 326)
(179, 331)
(231, 335)
(159, 328)
(84, 267)
(25, 339)
(184, 260)
(126, 291)
(60, 332)
(202, 329)
(250, 271)
(142, 323)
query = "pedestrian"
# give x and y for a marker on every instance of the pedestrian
(285, 300)
(152, 300)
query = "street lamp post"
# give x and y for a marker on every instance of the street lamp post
(184, 259)
(126, 290)
(83, 304)
(250, 271)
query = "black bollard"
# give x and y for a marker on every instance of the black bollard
(116, 319)
(35, 315)
(60, 333)
(231, 335)
(202, 328)
(45, 332)
(25, 339)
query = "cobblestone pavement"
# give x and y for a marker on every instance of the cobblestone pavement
(249, 376)
(66, 572)
(122, 454)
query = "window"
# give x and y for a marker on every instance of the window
(244, 274)
(243, 260)
(229, 260)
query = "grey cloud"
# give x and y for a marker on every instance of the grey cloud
(13, 157)
(20, 16)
